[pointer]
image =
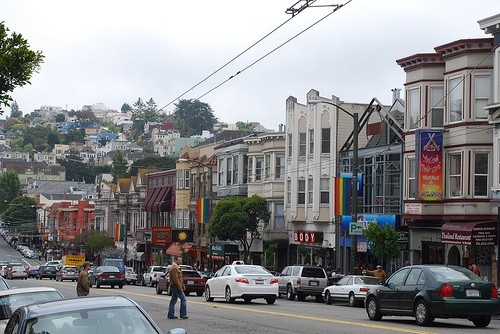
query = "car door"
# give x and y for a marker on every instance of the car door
(339, 287)
(390, 293)
(283, 279)
(413, 284)
(217, 282)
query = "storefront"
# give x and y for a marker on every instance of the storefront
(221, 254)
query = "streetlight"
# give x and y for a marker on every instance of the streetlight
(354, 205)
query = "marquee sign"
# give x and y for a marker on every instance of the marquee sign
(307, 237)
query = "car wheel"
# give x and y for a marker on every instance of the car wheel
(270, 300)
(352, 300)
(247, 300)
(328, 298)
(143, 283)
(199, 293)
(227, 295)
(120, 286)
(289, 293)
(372, 309)
(112, 287)
(158, 290)
(481, 322)
(208, 298)
(301, 297)
(97, 284)
(422, 314)
(319, 298)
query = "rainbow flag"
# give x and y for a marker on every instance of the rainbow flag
(342, 195)
(203, 210)
(119, 232)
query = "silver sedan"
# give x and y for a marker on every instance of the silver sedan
(351, 289)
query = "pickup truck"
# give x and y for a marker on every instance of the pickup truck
(150, 277)
(130, 276)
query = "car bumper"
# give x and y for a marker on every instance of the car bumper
(464, 308)
(255, 291)
(110, 281)
(194, 287)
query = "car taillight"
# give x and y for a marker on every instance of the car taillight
(273, 281)
(446, 291)
(121, 275)
(241, 280)
(298, 281)
(494, 291)
(364, 289)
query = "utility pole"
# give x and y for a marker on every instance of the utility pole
(125, 246)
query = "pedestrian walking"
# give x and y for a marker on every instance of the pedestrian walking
(378, 273)
(177, 288)
(83, 283)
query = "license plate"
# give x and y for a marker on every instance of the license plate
(190, 282)
(315, 283)
(472, 293)
(259, 281)
(111, 276)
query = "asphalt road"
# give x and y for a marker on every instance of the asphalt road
(284, 316)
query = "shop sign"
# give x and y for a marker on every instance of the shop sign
(362, 247)
(308, 237)
(161, 235)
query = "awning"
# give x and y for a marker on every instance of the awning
(150, 198)
(471, 234)
(163, 200)
(175, 248)
(140, 256)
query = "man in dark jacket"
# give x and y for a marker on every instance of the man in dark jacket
(177, 287)
(83, 283)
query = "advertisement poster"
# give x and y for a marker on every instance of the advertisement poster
(429, 165)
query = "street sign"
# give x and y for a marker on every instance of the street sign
(356, 228)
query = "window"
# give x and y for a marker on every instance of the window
(414, 108)
(437, 103)
(455, 100)
(250, 169)
(187, 176)
(229, 171)
(411, 177)
(290, 146)
(325, 140)
(279, 216)
(482, 95)
(186, 219)
(259, 165)
(267, 166)
(414, 277)
(235, 170)
(220, 181)
(280, 167)
(301, 196)
(398, 278)
(302, 144)
(481, 174)
(311, 141)
(288, 192)
(310, 186)
(180, 216)
(180, 179)
(325, 191)
(455, 172)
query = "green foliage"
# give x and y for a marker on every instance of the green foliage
(60, 118)
(118, 166)
(383, 241)
(160, 163)
(15, 111)
(126, 107)
(74, 136)
(97, 242)
(17, 63)
(237, 218)
(268, 256)
(143, 113)
(86, 116)
(242, 126)
(191, 117)
(41, 138)
(9, 188)
(78, 171)
(20, 214)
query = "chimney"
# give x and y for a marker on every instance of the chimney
(395, 94)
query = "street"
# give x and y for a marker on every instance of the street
(258, 317)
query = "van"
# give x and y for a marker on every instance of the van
(118, 263)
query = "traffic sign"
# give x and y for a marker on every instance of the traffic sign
(356, 228)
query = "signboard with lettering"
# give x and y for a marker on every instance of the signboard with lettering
(307, 237)
(161, 235)
(356, 228)
(429, 164)
(470, 234)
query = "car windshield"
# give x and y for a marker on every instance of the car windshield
(115, 263)
(109, 269)
(446, 274)
(251, 270)
(158, 268)
(10, 303)
(70, 269)
(189, 273)
(369, 280)
(96, 320)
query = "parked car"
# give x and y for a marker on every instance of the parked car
(116, 262)
(351, 289)
(9, 268)
(17, 272)
(193, 282)
(3, 284)
(56, 263)
(102, 314)
(130, 276)
(434, 291)
(242, 281)
(150, 277)
(47, 272)
(302, 281)
(67, 272)
(14, 298)
(33, 271)
(107, 275)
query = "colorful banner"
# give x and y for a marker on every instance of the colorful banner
(343, 192)
(203, 210)
(119, 232)
(429, 164)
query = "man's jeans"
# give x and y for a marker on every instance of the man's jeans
(171, 307)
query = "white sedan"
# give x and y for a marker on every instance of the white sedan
(351, 289)
(242, 281)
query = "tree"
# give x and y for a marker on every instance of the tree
(126, 107)
(14, 110)
(17, 63)
(160, 163)
(74, 136)
(242, 126)
(9, 188)
(118, 166)
(20, 214)
(60, 118)
(97, 243)
(238, 218)
(143, 113)
(192, 117)
(383, 241)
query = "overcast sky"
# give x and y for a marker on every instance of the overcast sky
(115, 51)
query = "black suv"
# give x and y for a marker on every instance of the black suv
(302, 281)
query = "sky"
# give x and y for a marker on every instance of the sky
(117, 51)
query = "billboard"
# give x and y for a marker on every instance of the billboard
(429, 164)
